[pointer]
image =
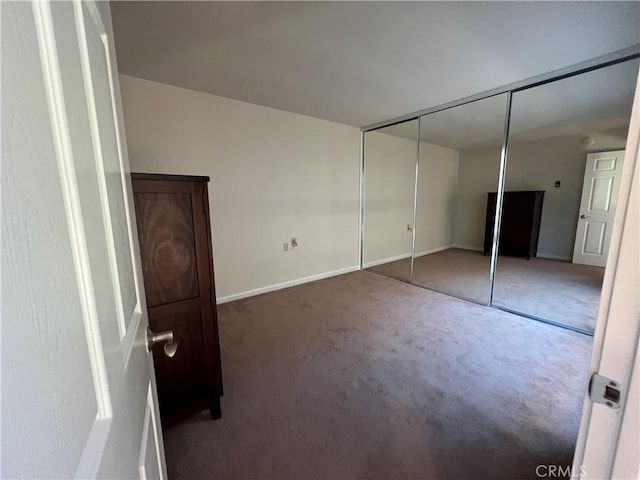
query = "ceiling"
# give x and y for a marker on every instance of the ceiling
(595, 104)
(361, 62)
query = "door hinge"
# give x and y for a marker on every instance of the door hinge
(606, 391)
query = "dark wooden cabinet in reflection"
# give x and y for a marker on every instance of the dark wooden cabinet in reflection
(172, 214)
(520, 225)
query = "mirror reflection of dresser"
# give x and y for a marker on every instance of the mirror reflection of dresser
(520, 224)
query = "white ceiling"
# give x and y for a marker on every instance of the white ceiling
(596, 104)
(362, 62)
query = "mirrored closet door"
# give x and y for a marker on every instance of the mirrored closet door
(459, 162)
(389, 199)
(434, 196)
(565, 152)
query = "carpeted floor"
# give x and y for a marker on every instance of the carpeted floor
(559, 291)
(360, 376)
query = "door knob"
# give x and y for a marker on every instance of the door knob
(584, 216)
(170, 346)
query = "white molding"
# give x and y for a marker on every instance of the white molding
(127, 194)
(549, 256)
(89, 463)
(99, 160)
(421, 254)
(387, 260)
(149, 426)
(43, 19)
(468, 247)
(153, 410)
(280, 286)
(91, 457)
(127, 322)
(433, 250)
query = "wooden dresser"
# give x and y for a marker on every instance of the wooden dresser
(172, 214)
(520, 227)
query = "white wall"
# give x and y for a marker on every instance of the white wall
(274, 175)
(477, 175)
(389, 197)
(437, 184)
(390, 167)
(534, 165)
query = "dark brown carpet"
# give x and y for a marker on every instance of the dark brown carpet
(360, 376)
(562, 292)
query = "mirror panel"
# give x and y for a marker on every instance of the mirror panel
(390, 157)
(565, 151)
(459, 162)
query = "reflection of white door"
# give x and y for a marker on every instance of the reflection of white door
(78, 390)
(597, 207)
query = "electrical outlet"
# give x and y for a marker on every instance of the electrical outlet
(558, 183)
(285, 247)
(294, 242)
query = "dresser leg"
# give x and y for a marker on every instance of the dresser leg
(214, 408)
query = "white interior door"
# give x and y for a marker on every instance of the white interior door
(78, 388)
(597, 207)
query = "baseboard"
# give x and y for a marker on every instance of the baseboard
(421, 254)
(387, 260)
(553, 257)
(433, 250)
(280, 286)
(469, 247)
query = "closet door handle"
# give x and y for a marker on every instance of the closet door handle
(584, 216)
